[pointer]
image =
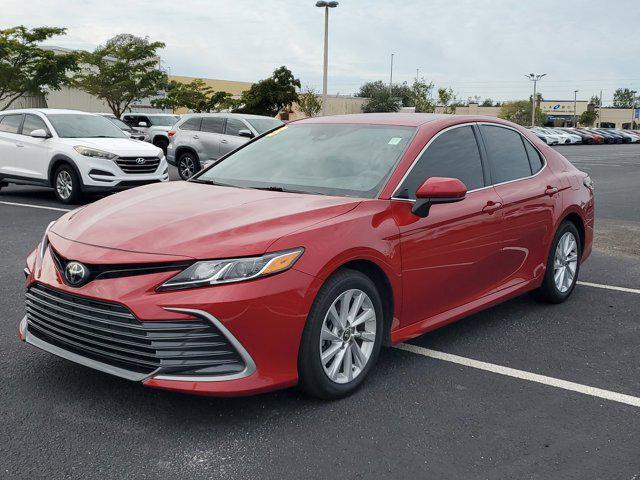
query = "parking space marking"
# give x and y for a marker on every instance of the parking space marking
(522, 374)
(609, 287)
(36, 206)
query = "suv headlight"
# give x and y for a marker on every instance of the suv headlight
(214, 272)
(93, 153)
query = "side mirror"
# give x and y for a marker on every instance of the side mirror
(245, 133)
(437, 190)
(142, 124)
(40, 133)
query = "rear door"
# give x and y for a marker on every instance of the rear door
(448, 257)
(529, 195)
(210, 136)
(11, 145)
(231, 138)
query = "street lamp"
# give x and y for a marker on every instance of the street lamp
(575, 111)
(326, 6)
(534, 78)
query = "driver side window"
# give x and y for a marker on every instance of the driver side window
(452, 154)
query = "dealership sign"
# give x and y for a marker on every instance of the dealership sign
(560, 108)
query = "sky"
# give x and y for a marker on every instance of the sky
(480, 47)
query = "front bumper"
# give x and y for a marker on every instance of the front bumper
(101, 175)
(263, 319)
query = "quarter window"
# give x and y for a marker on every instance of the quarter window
(10, 123)
(212, 124)
(452, 154)
(534, 157)
(234, 126)
(31, 123)
(506, 152)
(191, 124)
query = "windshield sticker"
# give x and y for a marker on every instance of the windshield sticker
(275, 132)
(395, 141)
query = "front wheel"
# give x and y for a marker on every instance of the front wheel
(342, 338)
(188, 164)
(66, 185)
(563, 265)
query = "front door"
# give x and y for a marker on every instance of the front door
(231, 138)
(448, 257)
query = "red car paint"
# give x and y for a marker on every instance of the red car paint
(461, 258)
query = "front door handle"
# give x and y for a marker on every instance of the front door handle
(196, 137)
(224, 141)
(551, 190)
(491, 207)
(19, 145)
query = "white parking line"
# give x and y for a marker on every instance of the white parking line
(523, 375)
(36, 206)
(609, 287)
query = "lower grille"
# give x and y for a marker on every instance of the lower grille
(110, 333)
(132, 165)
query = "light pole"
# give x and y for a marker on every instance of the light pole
(326, 6)
(391, 76)
(534, 78)
(575, 110)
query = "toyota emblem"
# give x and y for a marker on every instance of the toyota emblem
(76, 274)
(140, 161)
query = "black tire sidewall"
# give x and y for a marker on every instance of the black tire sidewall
(549, 289)
(76, 191)
(313, 378)
(196, 163)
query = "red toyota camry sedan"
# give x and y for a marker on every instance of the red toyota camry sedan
(293, 259)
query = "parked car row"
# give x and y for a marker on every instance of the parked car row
(588, 136)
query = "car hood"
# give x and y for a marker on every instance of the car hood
(123, 147)
(196, 220)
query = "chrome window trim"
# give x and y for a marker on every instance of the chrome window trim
(250, 366)
(411, 200)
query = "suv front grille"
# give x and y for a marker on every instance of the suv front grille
(110, 333)
(131, 165)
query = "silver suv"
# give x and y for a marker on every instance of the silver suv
(201, 138)
(154, 126)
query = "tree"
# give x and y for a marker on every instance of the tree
(122, 71)
(195, 96)
(310, 102)
(421, 92)
(588, 117)
(446, 96)
(624, 98)
(269, 96)
(520, 112)
(595, 100)
(487, 102)
(27, 69)
(381, 98)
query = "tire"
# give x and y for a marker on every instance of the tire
(356, 351)
(161, 143)
(188, 164)
(66, 185)
(552, 291)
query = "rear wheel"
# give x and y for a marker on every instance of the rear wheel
(563, 265)
(188, 164)
(342, 338)
(66, 185)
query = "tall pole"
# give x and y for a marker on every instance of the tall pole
(575, 110)
(533, 104)
(391, 75)
(325, 67)
(417, 74)
(600, 110)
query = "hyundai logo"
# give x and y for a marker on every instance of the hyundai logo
(140, 160)
(76, 274)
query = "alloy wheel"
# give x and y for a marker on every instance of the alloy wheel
(565, 262)
(187, 167)
(64, 184)
(348, 336)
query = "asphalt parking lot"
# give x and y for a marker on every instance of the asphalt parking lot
(431, 412)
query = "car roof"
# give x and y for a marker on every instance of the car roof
(152, 113)
(46, 111)
(399, 119)
(226, 114)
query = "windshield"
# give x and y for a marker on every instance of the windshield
(331, 159)
(163, 120)
(119, 123)
(262, 125)
(78, 125)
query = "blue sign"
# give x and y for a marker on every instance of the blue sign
(636, 113)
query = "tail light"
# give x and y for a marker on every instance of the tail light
(588, 182)
(171, 133)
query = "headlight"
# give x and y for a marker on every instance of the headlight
(44, 243)
(214, 272)
(93, 153)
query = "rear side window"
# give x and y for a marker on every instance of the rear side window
(212, 124)
(535, 160)
(10, 123)
(234, 126)
(453, 154)
(31, 123)
(505, 149)
(191, 124)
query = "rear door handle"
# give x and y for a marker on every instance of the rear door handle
(224, 141)
(19, 145)
(196, 137)
(491, 207)
(551, 191)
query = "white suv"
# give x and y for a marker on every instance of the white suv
(74, 152)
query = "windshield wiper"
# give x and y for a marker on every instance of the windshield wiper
(213, 182)
(275, 188)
